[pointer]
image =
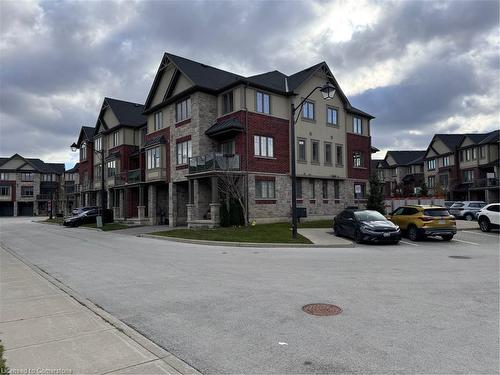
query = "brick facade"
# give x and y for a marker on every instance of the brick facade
(362, 144)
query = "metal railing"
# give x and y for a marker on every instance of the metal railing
(482, 183)
(214, 162)
(133, 176)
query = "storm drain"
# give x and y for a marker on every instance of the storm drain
(321, 309)
(458, 257)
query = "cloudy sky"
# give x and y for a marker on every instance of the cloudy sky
(420, 67)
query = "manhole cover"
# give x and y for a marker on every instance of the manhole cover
(458, 257)
(322, 309)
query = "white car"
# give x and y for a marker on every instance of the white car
(489, 217)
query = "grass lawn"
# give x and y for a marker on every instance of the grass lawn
(316, 224)
(264, 233)
(108, 226)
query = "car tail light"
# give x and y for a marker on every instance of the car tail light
(426, 218)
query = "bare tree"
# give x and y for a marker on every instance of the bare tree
(232, 185)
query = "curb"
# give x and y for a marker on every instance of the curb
(143, 341)
(244, 244)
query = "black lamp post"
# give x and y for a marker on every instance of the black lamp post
(328, 91)
(74, 148)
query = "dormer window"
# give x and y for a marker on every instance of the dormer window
(83, 152)
(227, 102)
(183, 110)
(263, 103)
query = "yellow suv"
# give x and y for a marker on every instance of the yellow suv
(422, 221)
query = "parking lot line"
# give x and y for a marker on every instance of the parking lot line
(480, 233)
(409, 243)
(470, 243)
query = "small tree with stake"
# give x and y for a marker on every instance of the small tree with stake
(232, 186)
(376, 196)
(424, 192)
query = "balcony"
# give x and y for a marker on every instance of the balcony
(133, 176)
(483, 183)
(214, 162)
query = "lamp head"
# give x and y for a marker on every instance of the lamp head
(328, 91)
(74, 147)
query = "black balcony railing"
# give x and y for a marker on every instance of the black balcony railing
(482, 183)
(133, 176)
(214, 162)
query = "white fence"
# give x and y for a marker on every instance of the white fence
(393, 204)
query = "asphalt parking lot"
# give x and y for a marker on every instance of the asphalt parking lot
(425, 307)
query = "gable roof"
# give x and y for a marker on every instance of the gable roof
(376, 162)
(127, 113)
(86, 134)
(407, 157)
(492, 137)
(450, 140)
(214, 80)
(37, 164)
(224, 127)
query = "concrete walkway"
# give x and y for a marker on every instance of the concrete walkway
(324, 237)
(466, 225)
(42, 327)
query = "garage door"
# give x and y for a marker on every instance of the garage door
(24, 208)
(6, 208)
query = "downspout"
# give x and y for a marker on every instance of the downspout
(246, 154)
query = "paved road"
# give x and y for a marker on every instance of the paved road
(407, 308)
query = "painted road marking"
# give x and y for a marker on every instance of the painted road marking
(409, 243)
(470, 243)
(481, 234)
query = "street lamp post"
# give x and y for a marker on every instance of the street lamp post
(100, 217)
(328, 91)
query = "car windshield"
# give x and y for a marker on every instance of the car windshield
(369, 216)
(436, 212)
(457, 205)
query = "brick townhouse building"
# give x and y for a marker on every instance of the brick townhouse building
(400, 171)
(463, 166)
(200, 123)
(29, 186)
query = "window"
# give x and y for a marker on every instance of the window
(431, 181)
(308, 110)
(359, 191)
(263, 146)
(443, 180)
(325, 189)
(357, 125)
(431, 164)
(315, 151)
(158, 120)
(467, 154)
(474, 153)
(357, 159)
(115, 139)
(183, 110)
(482, 152)
(468, 176)
(336, 189)
(446, 161)
(227, 102)
(339, 155)
(97, 170)
(46, 177)
(264, 189)
(98, 144)
(313, 189)
(227, 147)
(27, 176)
(27, 191)
(328, 153)
(331, 116)
(4, 176)
(111, 168)
(5, 191)
(462, 155)
(299, 188)
(262, 104)
(153, 158)
(494, 208)
(83, 152)
(302, 150)
(184, 152)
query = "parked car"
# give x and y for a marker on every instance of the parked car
(448, 204)
(365, 225)
(489, 217)
(421, 221)
(466, 209)
(79, 210)
(88, 217)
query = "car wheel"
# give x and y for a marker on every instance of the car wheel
(413, 233)
(395, 242)
(484, 224)
(447, 237)
(357, 237)
(469, 217)
(336, 231)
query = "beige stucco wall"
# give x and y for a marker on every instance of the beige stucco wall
(238, 100)
(163, 85)
(182, 84)
(279, 105)
(109, 118)
(13, 164)
(440, 147)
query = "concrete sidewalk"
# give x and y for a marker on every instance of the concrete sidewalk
(42, 327)
(324, 237)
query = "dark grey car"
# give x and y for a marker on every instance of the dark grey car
(466, 209)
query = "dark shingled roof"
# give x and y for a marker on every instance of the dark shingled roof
(38, 165)
(88, 132)
(375, 162)
(492, 137)
(407, 157)
(274, 80)
(296, 79)
(451, 140)
(127, 113)
(159, 139)
(224, 126)
(74, 169)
